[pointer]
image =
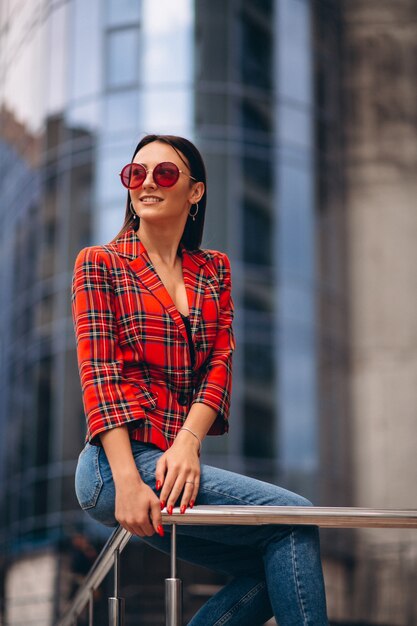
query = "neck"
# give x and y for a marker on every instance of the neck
(165, 251)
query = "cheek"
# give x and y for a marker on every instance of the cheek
(180, 201)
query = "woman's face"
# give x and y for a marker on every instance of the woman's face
(152, 202)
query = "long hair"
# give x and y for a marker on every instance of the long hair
(189, 154)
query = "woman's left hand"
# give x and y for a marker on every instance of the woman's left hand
(178, 470)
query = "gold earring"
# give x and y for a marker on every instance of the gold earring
(194, 214)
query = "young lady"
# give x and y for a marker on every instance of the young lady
(153, 319)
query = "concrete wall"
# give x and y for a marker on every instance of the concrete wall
(380, 95)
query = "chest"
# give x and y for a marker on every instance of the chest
(173, 281)
(147, 307)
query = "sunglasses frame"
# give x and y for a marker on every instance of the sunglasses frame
(146, 170)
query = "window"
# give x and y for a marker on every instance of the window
(122, 11)
(122, 57)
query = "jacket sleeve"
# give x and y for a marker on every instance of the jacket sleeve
(215, 387)
(109, 400)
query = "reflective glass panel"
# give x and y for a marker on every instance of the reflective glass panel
(122, 112)
(122, 57)
(122, 11)
(85, 51)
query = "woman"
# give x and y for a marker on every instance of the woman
(153, 320)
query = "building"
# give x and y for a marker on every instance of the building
(305, 113)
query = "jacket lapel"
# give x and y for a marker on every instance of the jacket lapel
(195, 277)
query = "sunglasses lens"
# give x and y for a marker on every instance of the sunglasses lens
(133, 175)
(166, 174)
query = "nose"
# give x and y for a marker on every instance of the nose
(149, 181)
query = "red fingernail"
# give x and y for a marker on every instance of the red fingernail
(158, 485)
(160, 530)
(191, 504)
(162, 505)
(182, 509)
(170, 509)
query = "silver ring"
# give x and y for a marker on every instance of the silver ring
(190, 482)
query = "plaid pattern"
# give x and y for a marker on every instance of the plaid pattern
(132, 347)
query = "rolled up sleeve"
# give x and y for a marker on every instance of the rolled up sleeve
(215, 387)
(108, 398)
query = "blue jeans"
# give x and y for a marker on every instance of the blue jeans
(276, 569)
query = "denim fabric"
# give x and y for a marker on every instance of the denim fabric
(276, 568)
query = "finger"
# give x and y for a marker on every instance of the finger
(133, 528)
(187, 494)
(170, 480)
(127, 527)
(156, 518)
(145, 528)
(160, 471)
(195, 491)
(175, 492)
(139, 526)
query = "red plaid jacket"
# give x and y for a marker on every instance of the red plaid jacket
(132, 348)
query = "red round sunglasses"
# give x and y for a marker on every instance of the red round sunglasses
(164, 174)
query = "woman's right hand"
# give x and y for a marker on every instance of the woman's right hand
(137, 508)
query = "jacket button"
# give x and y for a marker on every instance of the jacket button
(183, 399)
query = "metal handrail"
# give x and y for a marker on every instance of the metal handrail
(101, 566)
(325, 517)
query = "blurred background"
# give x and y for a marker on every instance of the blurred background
(306, 114)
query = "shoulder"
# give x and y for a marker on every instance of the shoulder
(102, 256)
(218, 264)
(216, 257)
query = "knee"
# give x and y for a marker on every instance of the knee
(304, 501)
(295, 499)
(283, 497)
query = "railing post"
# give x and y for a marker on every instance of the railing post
(173, 588)
(116, 604)
(91, 608)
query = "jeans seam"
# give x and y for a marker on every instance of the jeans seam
(92, 501)
(243, 600)
(296, 577)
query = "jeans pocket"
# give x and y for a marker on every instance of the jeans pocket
(88, 479)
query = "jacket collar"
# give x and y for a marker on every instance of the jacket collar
(195, 276)
(130, 246)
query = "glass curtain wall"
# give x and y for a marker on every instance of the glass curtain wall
(148, 88)
(296, 392)
(236, 77)
(69, 121)
(254, 119)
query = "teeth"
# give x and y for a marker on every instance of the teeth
(151, 199)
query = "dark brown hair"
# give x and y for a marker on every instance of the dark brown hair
(188, 153)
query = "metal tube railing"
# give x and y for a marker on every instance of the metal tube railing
(117, 541)
(116, 604)
(325, 517)
(173, 587)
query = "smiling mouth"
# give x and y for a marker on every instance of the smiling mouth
(150, 199)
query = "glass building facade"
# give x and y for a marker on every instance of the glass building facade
(81, 82)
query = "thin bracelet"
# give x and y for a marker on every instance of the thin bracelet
(196, 436)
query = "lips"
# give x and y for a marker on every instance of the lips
(150, 199)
